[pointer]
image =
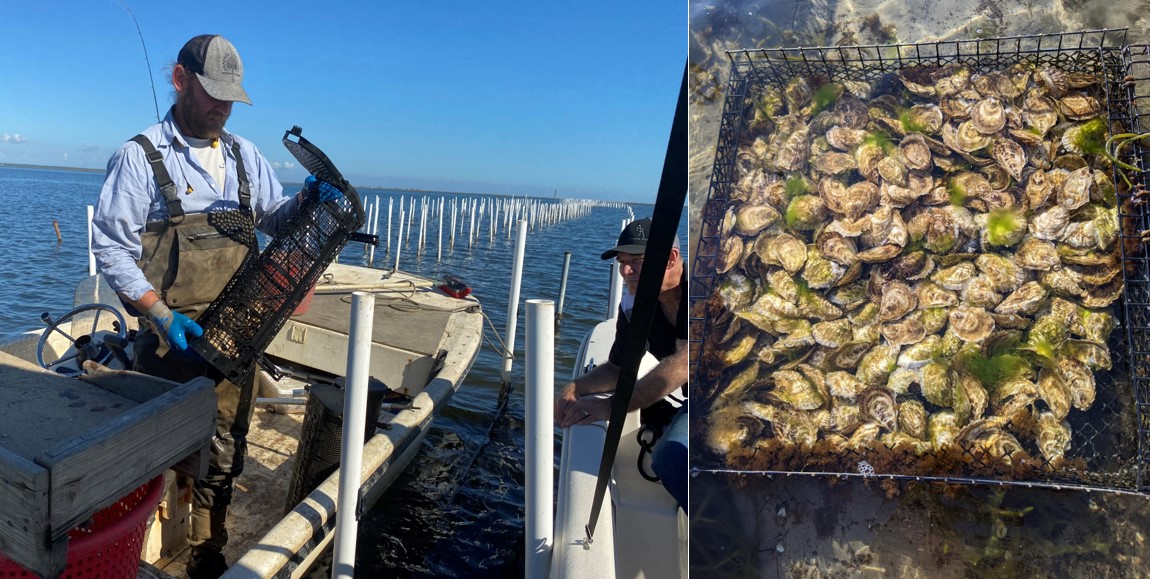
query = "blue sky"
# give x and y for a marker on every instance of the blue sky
(482, 97)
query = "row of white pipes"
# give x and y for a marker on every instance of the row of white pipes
(467, 218)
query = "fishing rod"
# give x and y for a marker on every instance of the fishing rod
(147, 61)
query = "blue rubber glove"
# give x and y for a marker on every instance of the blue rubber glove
(321, 191)
(174, 327)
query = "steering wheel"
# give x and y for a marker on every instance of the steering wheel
(98, 345)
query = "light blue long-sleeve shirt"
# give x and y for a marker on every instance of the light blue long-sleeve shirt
(130, 198)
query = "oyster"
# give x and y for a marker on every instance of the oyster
(1080, 381)
(1027, 299)
(893, 171)
(834, 163)
(912, 418)
(922, 118)
(907, 331)
(931, 295)
(797, 94)
(876, 366)
(988, 116)
(898, 299)
(986, 437)
(1009, 156)
(819, 272)
(914, 153)
(1075, 191)
(980, 292)
(956, 276)
(752, 219)
(971, 324)
(1037, 254)
(1053, 437)
(1054, 393)
(845, 139)
(878, 404)
(921, 353)
(844, 385)
(942, 429)
(795, 390)
(937, 386)
(835, 247)
(782, 284)
(868, 156)
(1014, 395)
(730, 253)
(1079, 106)
(853, 201)
(1003, 273)
(968, 138)
(785, 250)
(1050, 223)
(806, 212)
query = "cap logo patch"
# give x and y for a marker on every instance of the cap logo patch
(229, 64)
(640, 232)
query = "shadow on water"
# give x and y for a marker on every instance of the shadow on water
(796, 526)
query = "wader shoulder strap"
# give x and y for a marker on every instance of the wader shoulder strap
(242, 177)
(163, 178)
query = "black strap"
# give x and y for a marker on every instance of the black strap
(242, 177)
(163, 178)
(665, 220)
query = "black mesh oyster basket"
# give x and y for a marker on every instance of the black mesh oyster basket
(771, 393)
(255, 304)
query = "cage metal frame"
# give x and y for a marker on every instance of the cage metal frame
(260, 297)
(1126, 84)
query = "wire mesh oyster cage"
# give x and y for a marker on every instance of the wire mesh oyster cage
(257, 301)
(924, 261)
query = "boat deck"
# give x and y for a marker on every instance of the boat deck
(423, 344)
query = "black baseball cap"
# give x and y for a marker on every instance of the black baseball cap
(633, 239)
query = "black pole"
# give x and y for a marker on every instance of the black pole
(664, 223)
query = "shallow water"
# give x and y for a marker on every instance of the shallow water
(458, 510)
(802, 526)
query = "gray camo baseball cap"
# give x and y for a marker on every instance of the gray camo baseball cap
(217, 65)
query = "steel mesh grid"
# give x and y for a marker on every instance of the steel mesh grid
(1112, 461)
(257, 301)
(1135, 91)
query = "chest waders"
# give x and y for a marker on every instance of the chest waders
(189, 259)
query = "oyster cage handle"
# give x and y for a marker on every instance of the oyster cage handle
(317, 163)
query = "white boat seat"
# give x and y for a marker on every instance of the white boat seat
(646, 515)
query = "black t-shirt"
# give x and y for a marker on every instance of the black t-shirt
(664, 333)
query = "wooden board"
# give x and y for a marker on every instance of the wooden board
(71, 447)
(402, 326)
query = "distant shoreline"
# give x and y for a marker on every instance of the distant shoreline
(49, 168)
(373, 187)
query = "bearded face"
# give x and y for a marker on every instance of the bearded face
(200, 115)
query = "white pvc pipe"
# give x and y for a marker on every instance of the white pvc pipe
(91, 256)
(390, 200)
(539, 447)
(513, 300)
(399, 240)
(616, 294)
(439, 239)
(354, 425)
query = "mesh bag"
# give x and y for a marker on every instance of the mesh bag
(257, 301)
(1028, 402)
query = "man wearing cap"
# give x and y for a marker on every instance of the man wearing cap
(175, 219)
(667, 342)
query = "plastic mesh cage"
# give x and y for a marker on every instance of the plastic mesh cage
(1107, 439)
(257, 301)
(321, 438)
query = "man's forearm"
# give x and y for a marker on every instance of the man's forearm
(669, 375)
(602, 379)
